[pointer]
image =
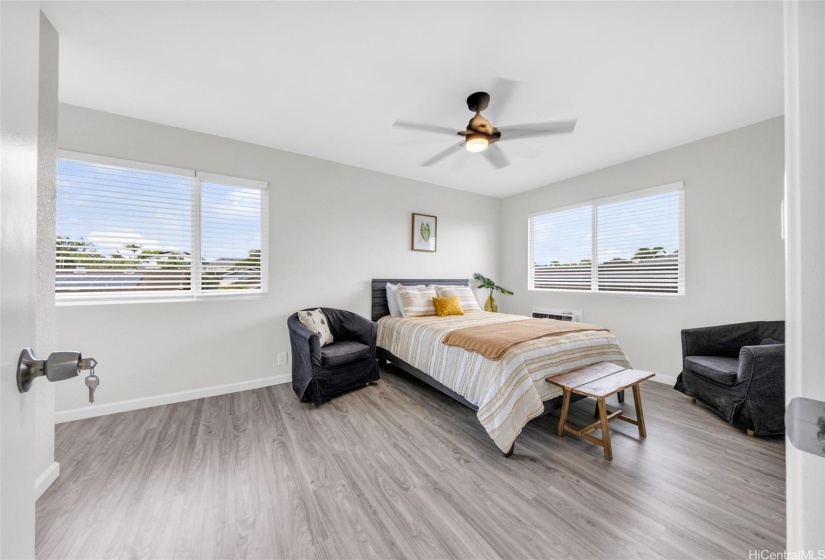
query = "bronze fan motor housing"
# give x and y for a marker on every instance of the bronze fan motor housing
(478, 125)
(480, 136)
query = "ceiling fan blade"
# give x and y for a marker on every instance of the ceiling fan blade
(501, 94)
(536, 129)
(424, 127)
(442, 154)
(495, 155)
(460, 161)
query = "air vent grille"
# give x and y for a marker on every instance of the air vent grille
(574, 316)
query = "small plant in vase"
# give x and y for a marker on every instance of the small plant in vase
(487, 284)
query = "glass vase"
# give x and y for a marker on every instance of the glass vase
(490, 304)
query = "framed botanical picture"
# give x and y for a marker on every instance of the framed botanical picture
(424, 232)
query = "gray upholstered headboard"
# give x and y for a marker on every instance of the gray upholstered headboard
(379, 291)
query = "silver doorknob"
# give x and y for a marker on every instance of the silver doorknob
(805, 425)
(57, 367)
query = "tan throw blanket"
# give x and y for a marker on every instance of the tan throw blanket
(492, 341)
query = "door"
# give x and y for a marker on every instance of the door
(19, 64)
(805, 262)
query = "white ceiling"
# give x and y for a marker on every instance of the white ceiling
(329, 79)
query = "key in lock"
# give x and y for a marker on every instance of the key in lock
(92, 381)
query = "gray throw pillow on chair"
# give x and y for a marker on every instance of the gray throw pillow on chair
(767, 341)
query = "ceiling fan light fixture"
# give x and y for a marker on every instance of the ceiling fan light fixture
(476, 143)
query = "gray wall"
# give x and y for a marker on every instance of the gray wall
(734, 251)
(332, 229)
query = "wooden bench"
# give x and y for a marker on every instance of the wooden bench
(599, 381)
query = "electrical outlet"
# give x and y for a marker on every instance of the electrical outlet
(283, 357)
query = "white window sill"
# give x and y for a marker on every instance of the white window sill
(72, 302)
(591, 292)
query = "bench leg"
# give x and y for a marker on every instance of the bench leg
(565, 408)
(608, 449)
(640, 415)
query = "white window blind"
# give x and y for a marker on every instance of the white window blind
(636, 242)
(561, 247)
(231, 233)
(133, 231)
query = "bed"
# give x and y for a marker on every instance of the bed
(505, 393)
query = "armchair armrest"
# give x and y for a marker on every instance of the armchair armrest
(722, 340)
(306, 345)
(761, 377)
(763, 367)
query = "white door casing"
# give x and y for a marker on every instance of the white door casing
(805, 259)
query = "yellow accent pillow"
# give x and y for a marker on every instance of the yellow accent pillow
(447, 306)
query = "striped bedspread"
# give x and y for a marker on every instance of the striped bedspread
(509, 391)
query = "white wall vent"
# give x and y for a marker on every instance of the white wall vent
(558, 314)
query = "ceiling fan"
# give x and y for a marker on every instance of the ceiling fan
(481, 136)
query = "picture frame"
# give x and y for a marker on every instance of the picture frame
(424, 232)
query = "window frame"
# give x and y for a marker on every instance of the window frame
(195, 293)
(594, 204)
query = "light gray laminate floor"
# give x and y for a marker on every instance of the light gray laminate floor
(398, 470)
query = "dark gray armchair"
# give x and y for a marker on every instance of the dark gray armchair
(739, 371)
(320, 373)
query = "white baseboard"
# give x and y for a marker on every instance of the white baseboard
(45, 479)
(167, 398)
(664, 379)
(181, 396)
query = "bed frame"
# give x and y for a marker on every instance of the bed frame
(380, 308)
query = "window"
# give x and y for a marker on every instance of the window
(132, 231)
(630, 244)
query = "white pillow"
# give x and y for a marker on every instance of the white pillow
(392, 300)
(398, 300)
(416, 301)
(316, 321)
(465, 295)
